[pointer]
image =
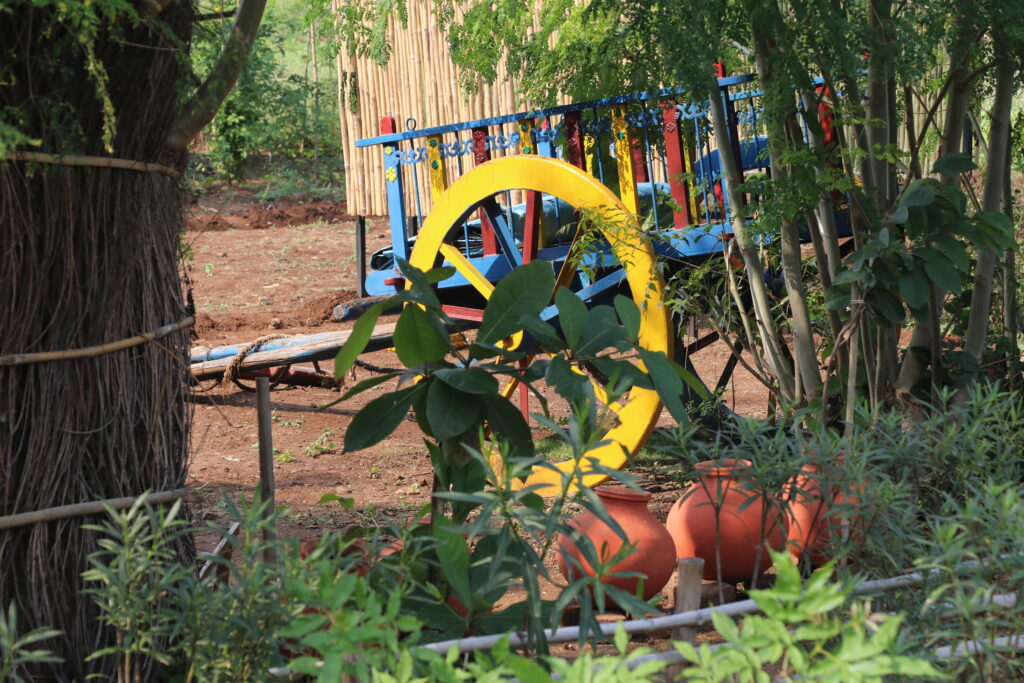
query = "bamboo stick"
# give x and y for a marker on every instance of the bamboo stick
(90, 508)
(93, 351)
(98, 162)
(693, 618)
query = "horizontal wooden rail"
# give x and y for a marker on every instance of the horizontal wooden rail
(90, 508)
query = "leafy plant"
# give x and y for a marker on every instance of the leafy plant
(481, 447)
(15, 651)
(321, 446)
(130, 576)
(803, 631)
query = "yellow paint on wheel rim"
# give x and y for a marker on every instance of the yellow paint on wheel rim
(640, 412)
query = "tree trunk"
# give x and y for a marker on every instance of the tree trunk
(995, 172)
(752, 262)
(913, 369)
(88, 255)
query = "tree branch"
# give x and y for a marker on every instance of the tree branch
(203, 106)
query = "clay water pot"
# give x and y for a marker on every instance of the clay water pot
(692, 524)
(652, 555)
(813, 524)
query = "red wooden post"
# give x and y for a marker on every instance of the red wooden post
(573, 141)
(534, 204)
(640, 173)
(481, 155)
(676, 163)
(387, 125)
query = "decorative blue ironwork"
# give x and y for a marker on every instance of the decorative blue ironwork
(646, 118)
(692, 110)
(750, 117)
(596, 127)
(543, 135)
(503, 141)
(456, 149)
(410, 156)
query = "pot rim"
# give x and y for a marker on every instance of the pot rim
(623, 493)
(722, 468)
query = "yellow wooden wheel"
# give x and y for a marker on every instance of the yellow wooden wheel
(487, 188)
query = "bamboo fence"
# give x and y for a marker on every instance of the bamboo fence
(419, 82)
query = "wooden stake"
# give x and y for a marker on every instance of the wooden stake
(266, 457)
(690, 570)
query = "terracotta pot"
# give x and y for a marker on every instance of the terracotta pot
(691, 522)
(651, 555)
(813, 524)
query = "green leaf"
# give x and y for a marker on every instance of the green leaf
(359, 337)
(572, 316)
(629, 314)
(900, 215)
(417, 340)
(419, 288)
(601, 332)
(543, 333)
(508, 422)
(469, 380)
(940, 269)
(379, 418)
(887, 304)
(454, 556)
(570, 385)
(439, 274)
(450, 412)
(954, 250)
(527, 671)
(612, 367)
(917, 194)
(368, 383)
(524, 291)
(914, 288)
(954, 164)
(666, 382)
(345, 503)
(998, 226)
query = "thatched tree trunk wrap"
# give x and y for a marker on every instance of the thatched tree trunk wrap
(87, 256)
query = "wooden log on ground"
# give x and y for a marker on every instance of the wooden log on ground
(303, 349)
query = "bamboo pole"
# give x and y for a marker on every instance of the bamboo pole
(90, 508)
(93, 351)
(694, 618)
(96, 162)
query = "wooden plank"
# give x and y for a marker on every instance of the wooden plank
(481, 155)
(531, 223)
(624, 159)
(224, 549)
(675, 159)
(573, 143)
(322, 346)
(438, 178)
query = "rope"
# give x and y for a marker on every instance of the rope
(379, 369)
(98, 162)
(92, 351)
(231, 372)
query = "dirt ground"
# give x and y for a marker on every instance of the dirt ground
(259, 269)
